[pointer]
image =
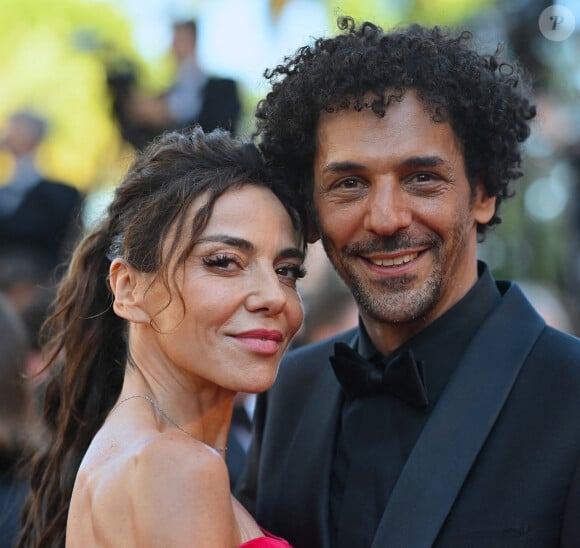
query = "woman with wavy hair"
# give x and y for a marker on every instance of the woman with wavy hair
(183, 295)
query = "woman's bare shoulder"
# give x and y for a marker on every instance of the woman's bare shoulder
(173, 456)
(183, 484)
(161, 490)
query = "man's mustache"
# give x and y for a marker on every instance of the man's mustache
(390, 244)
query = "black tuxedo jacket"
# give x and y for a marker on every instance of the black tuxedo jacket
(496, 465)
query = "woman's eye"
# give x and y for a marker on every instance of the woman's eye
(291, 272)
(225, 262)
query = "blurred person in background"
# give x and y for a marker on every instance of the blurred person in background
(19, 426)
(194, 98)
(240, 435)
(39, 217)
(39, 224)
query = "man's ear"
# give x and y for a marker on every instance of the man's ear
(128, 292)
(312, 232)
(483, 205)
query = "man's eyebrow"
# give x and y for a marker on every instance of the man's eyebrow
(339, 167)
(241, 243)
(412, 161)
(425, 161)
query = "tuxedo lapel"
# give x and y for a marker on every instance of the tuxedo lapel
(312, 444)
(459, 425)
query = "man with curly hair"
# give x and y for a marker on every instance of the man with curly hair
(450, 417)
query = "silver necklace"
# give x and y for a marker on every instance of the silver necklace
(156, 406)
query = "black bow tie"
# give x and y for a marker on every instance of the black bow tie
(398, 375)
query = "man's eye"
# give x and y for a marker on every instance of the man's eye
(348, 183)
(425, 177)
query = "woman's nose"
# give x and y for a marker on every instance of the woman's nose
(267, 294)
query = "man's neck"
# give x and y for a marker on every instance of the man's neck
(387, 337)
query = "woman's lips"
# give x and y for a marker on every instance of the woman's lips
(261, 341)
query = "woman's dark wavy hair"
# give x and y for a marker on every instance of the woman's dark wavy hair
(85, 341)
(483, 98)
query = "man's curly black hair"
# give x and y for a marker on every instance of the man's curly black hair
(484, 99)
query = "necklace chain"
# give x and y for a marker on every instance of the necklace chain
(158, 408)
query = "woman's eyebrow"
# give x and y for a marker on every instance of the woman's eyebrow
(233, 241)
(292, 253)
(241, 243)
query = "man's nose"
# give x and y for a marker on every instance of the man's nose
(388, 208)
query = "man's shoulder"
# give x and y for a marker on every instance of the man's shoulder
(522, 309)
(555, 343)
(559, 346)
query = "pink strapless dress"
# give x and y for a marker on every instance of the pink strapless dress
(267, 541)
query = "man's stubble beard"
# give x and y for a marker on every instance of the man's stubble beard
(392, 300)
